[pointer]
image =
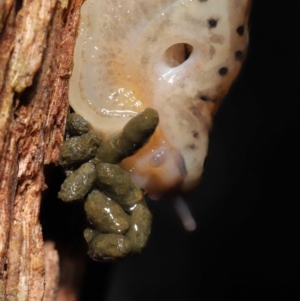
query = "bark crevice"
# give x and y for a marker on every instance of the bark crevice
(36, 50)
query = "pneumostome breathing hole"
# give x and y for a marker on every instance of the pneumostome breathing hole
(177, 54)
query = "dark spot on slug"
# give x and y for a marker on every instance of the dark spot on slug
(204, 97)
(192, 146)
(240, 30)
(212, 23)
(238, 55)
(195, 111)
(195, 134)
(223, 71)
(202, 0)
(145, 60)
(212, 51)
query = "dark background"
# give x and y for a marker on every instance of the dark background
(246, 243)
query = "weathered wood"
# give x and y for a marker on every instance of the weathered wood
(51, 272)
(36, 49)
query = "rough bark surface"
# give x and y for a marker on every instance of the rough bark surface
(36, 48)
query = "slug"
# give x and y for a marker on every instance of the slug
(178, 57)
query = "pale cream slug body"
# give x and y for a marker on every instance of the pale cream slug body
(178, 57)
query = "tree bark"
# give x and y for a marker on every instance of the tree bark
(36, 48)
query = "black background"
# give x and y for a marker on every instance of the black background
(246, 243)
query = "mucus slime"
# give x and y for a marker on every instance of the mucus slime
(178, 57)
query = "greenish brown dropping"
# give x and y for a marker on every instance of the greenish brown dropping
(105, 214)
(109, 246)
(140, 229)
(141, 127)
(116, 234)
(89, 234)
(79, 149)
(133, 136)
(118, 185)
(77, 125)
(78, 183)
